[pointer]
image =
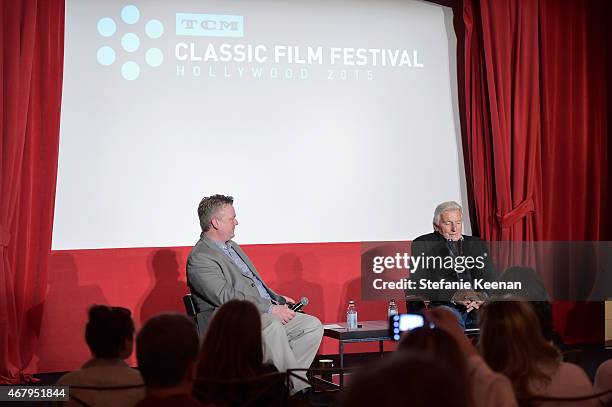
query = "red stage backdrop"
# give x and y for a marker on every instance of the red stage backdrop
(152, 280)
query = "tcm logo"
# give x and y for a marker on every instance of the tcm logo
(128, 42)
(209, 25)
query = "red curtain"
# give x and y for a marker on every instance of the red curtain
(502, 141)
(534, 80)
(535, 116)
(32, 49)
(574, 122)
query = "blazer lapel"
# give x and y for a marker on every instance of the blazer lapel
(228, 261)
(247, 261)
(251, 266)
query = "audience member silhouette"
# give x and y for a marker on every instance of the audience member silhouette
(110, 336)
(511, 342)
(167, 352)
(533, 290)
(232, 355)
(405, 379)
(449, 344)
(603, 382)
(443, 347)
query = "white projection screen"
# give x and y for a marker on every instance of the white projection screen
(328, 121)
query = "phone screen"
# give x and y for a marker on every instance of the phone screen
(404, 323)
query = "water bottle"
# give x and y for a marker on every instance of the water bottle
(351, 315)
(392, 308)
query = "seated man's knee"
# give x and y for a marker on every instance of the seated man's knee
(313, 324)
(319, 325)
(271, 323)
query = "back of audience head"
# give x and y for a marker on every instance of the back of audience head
(434, 341)
(232, 347)
(109, 332)
(532, 287)
(443, 347)
(167, 351)
(511, 343)
(533, 290)
(405, 379)
(603, 382)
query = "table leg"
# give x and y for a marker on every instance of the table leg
(341, 364)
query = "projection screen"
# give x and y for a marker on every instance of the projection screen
(327, 121)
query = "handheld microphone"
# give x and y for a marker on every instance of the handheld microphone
(299, 305)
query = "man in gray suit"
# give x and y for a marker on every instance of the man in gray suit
(218, 271)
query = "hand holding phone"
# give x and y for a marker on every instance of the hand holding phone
(401, 323)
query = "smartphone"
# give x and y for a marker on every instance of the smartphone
(401, 323)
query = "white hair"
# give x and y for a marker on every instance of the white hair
(444, 207)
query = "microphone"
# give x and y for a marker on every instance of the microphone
(455, 247)
(299, 305)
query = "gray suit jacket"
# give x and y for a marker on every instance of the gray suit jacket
(214, 279)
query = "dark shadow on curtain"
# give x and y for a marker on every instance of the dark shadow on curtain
(296, 280)
(65, 316)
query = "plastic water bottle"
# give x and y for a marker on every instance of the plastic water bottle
(351, 315)
(392, 308)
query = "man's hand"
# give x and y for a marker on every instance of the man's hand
(288, 299)
(472, 305)
(470, 299)
(283, 313)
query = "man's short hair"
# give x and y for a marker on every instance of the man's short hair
(209, 206)
(444, 207)
(165, 347)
